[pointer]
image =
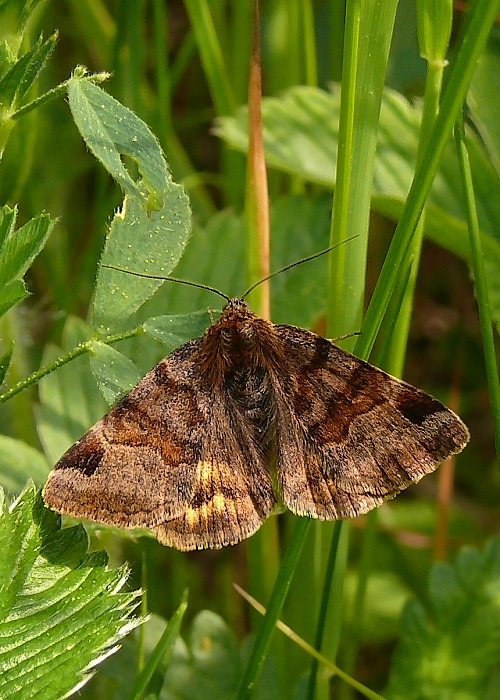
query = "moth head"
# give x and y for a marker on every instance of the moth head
(237, 320)
(235, 335)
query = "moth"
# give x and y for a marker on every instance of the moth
(199, 449)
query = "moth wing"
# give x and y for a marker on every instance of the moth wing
(136, 466)
(349, 434)
(165, 457)
(233, 493)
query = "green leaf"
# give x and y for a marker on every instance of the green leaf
(301, 138)
(114, 372)
(24, 72)
(61, 609)
(19, 248)
(110, 130)
(150, 232)
(70, 401)
(452, 649)
(140, 243)
(11, 294)
(20, 462)
(177, 330)
(4, 364)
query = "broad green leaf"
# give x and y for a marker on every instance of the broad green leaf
(150, 232)
(114, 372)
(61, 609)
(20, 462)
(177, 330)
(111, 131)
(144, 243)
(70, 401)
(19, 248)
(301, 138)
(451, 648)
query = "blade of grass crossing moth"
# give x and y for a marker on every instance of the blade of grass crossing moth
(368, 33)
(396, 324)
(434, 32)
(263, 548)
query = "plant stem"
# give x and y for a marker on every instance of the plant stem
(72, 355)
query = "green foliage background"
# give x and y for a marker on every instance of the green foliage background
(369, 596)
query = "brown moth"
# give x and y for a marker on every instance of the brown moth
(188, 452)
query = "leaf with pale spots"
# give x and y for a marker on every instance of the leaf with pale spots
(152, 227)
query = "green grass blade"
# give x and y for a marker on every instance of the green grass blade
(161, 652)
(481, 19)
(332, 562)
(367, 40)
(480, 281)
(281, 586)
(211, 56)
(362, 87)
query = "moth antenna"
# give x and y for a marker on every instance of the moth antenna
(354, 334)
(295, 264)
(206, 287)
